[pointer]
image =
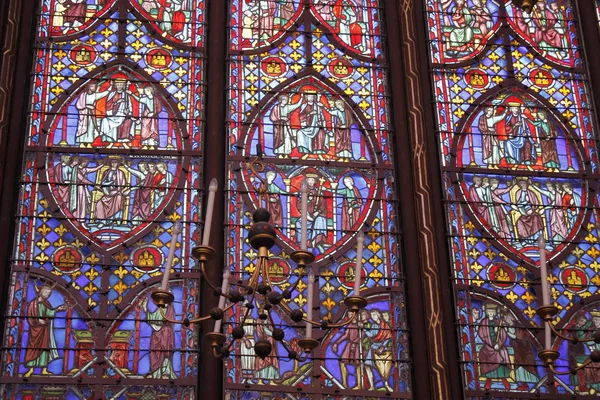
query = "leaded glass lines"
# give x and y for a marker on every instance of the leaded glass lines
(113, 157)
(308, 101)
(519, 162)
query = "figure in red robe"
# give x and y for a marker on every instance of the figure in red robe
(75, 13)
(162, 342)
(62, 176)
(544, 21)
(41, 345)
(150, 107)
(267, 9)
(142, 197)
(113, 184)
(493, 356)
(342, 123)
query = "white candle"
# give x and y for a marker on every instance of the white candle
(359, 256)
(304, 215)
(224, 289)
(174, 235)
(309, 304)
(212, 189)
(545, 289)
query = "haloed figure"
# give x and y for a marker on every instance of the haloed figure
(41, 345)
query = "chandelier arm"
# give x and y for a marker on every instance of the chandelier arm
(568, 337)
(342, 324)
(216, 354)
(163, 313)
(207, 317)
(253, 280)
(569, 371)
(299, 358)
(213, 287)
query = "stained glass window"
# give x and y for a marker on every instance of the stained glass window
(517, 150)
(308, 100)
(113, 151)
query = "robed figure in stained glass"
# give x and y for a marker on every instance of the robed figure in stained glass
(342, 120)
(87, 124)
(572, 203)
(461, 30)
(351, 203)
(577, 351)
(482, 17)
(283, 139)
(272, 197)
(41, 344)
(143, 192)
(546, 133)
(353, 351)
(150, 106)
(544, 21)
(113, 183)
(317, 214)
(493, 355)
(519, 145)
(79, 199)
(266, 368)
(74, 13)
(117, 125)
(526, 201)
(162, 342)
(379, 353)
(62, 178)
(312, 137)
(489, 137)
(558, 224)
(524, 355)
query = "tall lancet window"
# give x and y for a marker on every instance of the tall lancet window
(112, 152)
(518, 151)
(308, 101)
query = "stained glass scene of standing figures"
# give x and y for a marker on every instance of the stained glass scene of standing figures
(307, 122)
(520, 210)
(258, 23)
(518, 153)
(177, 20)
(71, 16)
(116, 112)
(464, 27)
(309, 105)
(516, 132)
(112, 163)
(505, 352)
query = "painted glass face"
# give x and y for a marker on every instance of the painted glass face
(308, 102)
(112, 159)
(517, 153)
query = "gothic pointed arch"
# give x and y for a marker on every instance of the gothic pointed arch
(312, 106)
(519, 163)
